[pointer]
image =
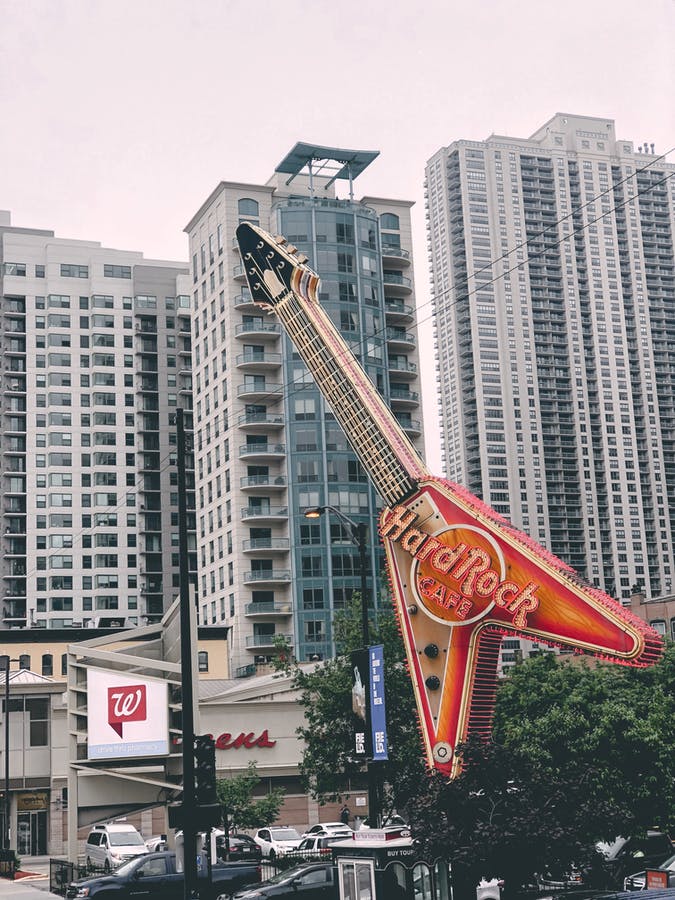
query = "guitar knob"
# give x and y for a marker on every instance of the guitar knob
(431, 650)
(433, 683)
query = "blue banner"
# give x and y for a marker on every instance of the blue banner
(378, 717)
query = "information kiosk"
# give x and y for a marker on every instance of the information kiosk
(385, 865)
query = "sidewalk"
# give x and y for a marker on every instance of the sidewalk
(35, 887)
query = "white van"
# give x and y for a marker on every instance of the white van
(108, 846)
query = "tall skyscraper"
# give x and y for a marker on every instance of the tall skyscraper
(95, 360)
(268, 446)
(553, 280)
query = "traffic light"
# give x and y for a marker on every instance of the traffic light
(205, 770)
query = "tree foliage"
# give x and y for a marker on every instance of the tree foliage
(328, 762)
(240, 809)
(580, 753)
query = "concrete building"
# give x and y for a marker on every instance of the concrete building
(268, 447)
(95, 350)
(554, 287)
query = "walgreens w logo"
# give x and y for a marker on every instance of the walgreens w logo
(126, 704)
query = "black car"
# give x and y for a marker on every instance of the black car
(242, 846)
(155, 875)
(309, 882)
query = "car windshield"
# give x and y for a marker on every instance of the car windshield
(125, 839)
(284, 834)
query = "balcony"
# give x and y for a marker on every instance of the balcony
(265, 546)
(262, 452)
(402, 368)
(258, 361)
(278, 608)
(268, 482)
(258, 641)
(397, 255)
(260, 423)
(399, 339)
(238, 273)
(258, 329)
(267, 577)
(396, 284)
(397, 310)
(403, 399)
(264, 514)
(260, 390)
(244, 303)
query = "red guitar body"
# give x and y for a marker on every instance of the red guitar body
(463, 577)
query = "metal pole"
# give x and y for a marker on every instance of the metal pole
(5, 831)
(371, 774)
(189, 836)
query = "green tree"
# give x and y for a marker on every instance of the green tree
(240, 810)
(328, 761)
(580, 753)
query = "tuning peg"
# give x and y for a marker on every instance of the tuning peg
(301, 258)
(289, 248)
(280, 239)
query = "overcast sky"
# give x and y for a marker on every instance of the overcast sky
(120, 117)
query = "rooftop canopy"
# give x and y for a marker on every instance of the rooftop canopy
(331, 162)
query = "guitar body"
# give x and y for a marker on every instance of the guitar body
(462, 577)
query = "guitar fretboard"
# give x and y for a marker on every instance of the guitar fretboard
(378, 440)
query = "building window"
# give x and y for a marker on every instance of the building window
(390, 221)
(203, 661)
(248, 207)
(70, 270)
(47, 664)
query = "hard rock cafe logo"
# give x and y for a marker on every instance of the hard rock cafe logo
(126, 704)
(459, 573)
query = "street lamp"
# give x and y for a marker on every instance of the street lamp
(356, 532)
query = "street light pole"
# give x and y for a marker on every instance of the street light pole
(356, 531)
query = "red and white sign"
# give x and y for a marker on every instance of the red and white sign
(126, 704)
(127, 715)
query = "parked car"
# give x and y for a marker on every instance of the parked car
(622, 857)
(156, 843)
(155, 875)
(277, 840)
(242, 846)
(638, 880)
(313, 881)
(109, 846)
(326, 828)
(320, 844)
(394, 821)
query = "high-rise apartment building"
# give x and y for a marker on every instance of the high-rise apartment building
(95, 360)
(554, 288)
(268, 446)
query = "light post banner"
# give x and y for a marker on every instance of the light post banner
(127, 715)
(360, 703)
(378, 715)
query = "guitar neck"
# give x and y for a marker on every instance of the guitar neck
(378, 440)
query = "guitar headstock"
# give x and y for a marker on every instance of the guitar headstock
(273, 267)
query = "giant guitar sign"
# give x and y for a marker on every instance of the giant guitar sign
(462, 576)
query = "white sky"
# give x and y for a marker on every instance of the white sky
(119, 117)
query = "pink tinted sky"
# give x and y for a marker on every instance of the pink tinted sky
(120, 116)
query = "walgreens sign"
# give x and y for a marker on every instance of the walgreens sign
(127, 715)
